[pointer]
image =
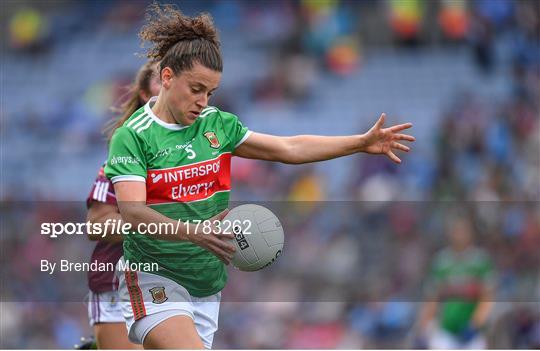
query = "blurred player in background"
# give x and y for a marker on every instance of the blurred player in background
(104, 310)
(459, 294)
(171, 161)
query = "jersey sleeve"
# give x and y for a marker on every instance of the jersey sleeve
(102, 190)
(127, 161)
(234, 129)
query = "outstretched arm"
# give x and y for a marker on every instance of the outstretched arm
(312, 148)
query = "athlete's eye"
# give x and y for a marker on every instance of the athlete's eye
(195, 90)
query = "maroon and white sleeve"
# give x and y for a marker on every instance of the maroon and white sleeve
(102, 190)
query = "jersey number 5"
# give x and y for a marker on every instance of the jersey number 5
(190, 152)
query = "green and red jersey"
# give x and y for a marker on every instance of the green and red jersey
(458, 281)
(187, 174)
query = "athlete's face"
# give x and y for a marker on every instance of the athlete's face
(187, 93)
(460, 234)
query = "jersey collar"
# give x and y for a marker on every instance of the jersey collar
(148, 110)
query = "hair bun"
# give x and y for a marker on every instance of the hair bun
(167, 25)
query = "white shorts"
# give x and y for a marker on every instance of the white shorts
(148, 299)
(104, 308)
(440, 339)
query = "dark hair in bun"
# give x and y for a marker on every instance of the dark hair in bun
(177, 40)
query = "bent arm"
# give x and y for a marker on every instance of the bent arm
(101, 213)
(131, 198)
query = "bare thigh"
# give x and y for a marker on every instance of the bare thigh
(113, 336)
(177, 332)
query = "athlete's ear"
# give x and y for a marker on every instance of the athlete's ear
(166, 75)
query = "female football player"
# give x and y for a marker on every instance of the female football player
(104, 309)
(170, 161)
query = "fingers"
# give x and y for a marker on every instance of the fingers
(393, 135)
(396, 145)
(400, 127)
(225, 236)
(224, 250)
(223, 256)
(215, 248)
(393, 157)
(404, 137)
(380, 122)
(223, 241)
(217, 243)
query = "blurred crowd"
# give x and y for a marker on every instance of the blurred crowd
(353, 269)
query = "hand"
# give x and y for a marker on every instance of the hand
(217, 243)
(379, 140)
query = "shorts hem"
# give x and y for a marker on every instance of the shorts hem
(173, 313)
(92, 323)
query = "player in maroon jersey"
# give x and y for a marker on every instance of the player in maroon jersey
(103, 309)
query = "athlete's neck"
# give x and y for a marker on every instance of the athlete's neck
(162, 111)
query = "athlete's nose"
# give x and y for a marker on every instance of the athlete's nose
(202, 102)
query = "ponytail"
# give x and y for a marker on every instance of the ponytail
(134, 101)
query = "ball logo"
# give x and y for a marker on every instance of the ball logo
(240, 238)
(273, 259)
